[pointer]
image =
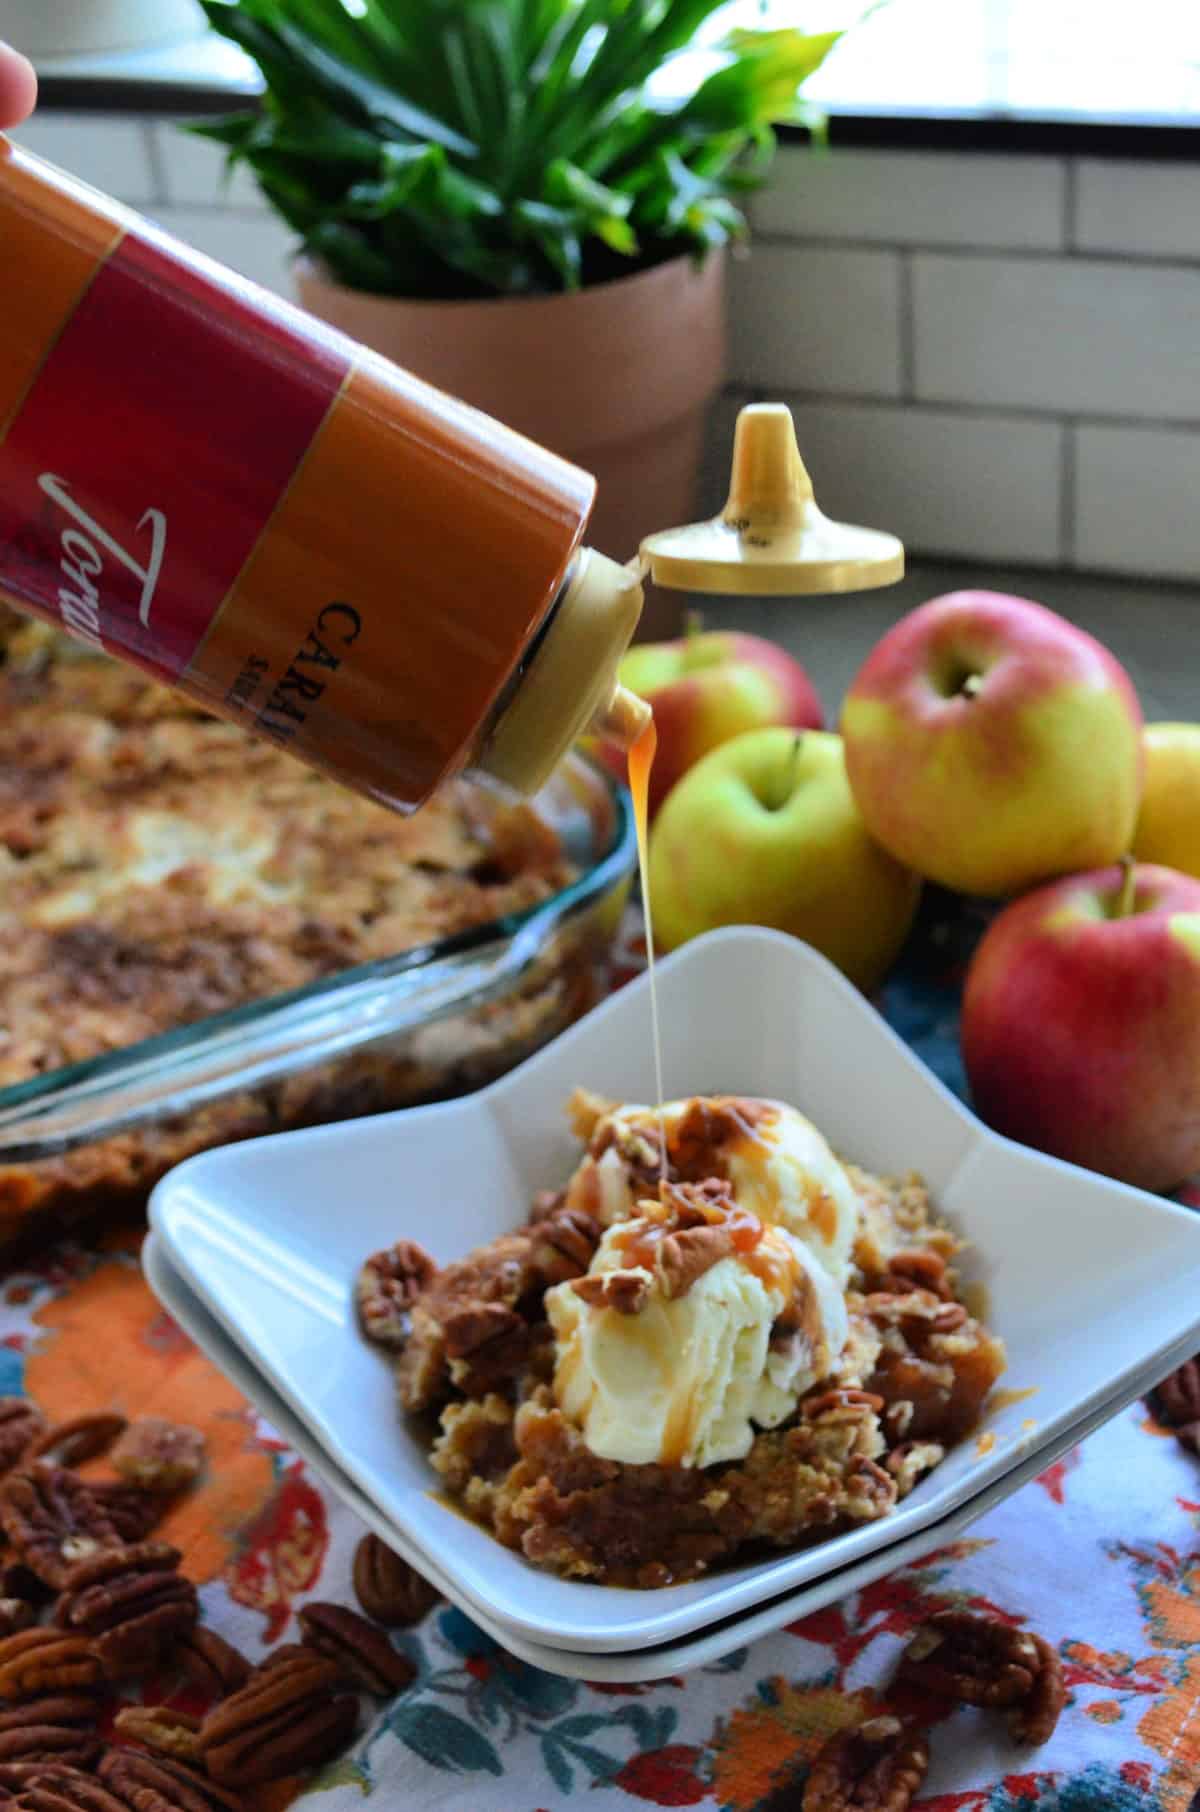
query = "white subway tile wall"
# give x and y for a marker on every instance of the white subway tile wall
(996, 357)
(195, 173)
(817, 318)
(1141, 210)
(963, 486)
(257, 245)
(1047, 408)
(915, 198)
(1084, 336)
(113, 155)
(1138, 499)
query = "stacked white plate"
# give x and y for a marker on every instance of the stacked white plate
(255, 1248)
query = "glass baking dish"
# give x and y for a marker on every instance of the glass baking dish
(431, 1022)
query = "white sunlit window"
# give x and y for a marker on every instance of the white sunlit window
(1053, 58)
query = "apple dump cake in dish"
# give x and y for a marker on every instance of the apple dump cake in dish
(740, 1344)
(160, 867)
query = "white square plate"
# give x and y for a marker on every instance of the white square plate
(672, 1658)
(1089, 1282)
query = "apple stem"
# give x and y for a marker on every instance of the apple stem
(972, 684)
(789, 772)
(693, 624)
(1128, 888)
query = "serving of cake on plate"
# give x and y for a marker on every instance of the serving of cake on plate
(717, 1338)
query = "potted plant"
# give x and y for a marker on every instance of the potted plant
(527, 203)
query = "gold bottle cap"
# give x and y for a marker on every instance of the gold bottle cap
(571, 686)
(771, 538)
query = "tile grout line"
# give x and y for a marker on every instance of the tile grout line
(908, 330)
(1071, 205)
(1066, 496)
(157, 165)
(1013, 253)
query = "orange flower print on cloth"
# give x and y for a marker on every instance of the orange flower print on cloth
(141, 1365)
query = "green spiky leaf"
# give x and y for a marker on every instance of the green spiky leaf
(443, 148)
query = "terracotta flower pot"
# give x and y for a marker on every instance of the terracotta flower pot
(617, 377)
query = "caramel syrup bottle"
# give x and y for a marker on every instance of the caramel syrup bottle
(200, 479)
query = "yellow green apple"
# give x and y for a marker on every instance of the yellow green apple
(1081, 1022)
(764, 831)
(1168, 826)
(707, 687)
(991, 744)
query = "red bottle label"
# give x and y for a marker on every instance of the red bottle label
(151, 451)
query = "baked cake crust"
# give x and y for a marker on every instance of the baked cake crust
(159, 867)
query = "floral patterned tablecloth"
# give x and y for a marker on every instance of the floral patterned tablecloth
(1101, 1555)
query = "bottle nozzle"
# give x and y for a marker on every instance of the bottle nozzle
(571, 686)
(622, 719)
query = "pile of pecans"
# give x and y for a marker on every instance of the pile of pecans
(956, 1657)
(89, 1599)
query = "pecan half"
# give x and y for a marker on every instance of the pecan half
(158, 1727)
(1177, 1399)
(82, 1438)
(705, 1127)
(388, 1284)
(870, 1491)
(158, 1455)
(684, 1256)
(211, 1663)
(567, 1241)
(20, 1423)
(918, 1311)
(52, 1519)
(57, 1727)
(625, 1291)
(132, 1512)
(476, 1325)
(814, 1409)
(362, 1652)
(911, 1461)
(1035, 1718)
(51, 1787)
(972, 1659)
(159, 1784)
(131, 1603)
(45, 1660)
(388, 1589)
(285, 1719)
(877, 1767)
(486, 1344)
(919, 1269)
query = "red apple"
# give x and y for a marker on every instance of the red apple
(1081, 1023)
(991, 744)
(708, 688)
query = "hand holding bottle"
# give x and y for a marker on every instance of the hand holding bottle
(18, 87)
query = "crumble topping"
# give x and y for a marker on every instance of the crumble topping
(854, 1421)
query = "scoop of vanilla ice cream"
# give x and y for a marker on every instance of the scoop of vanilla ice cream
(780, 1168)
(790, 1177)
(686, 1379)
